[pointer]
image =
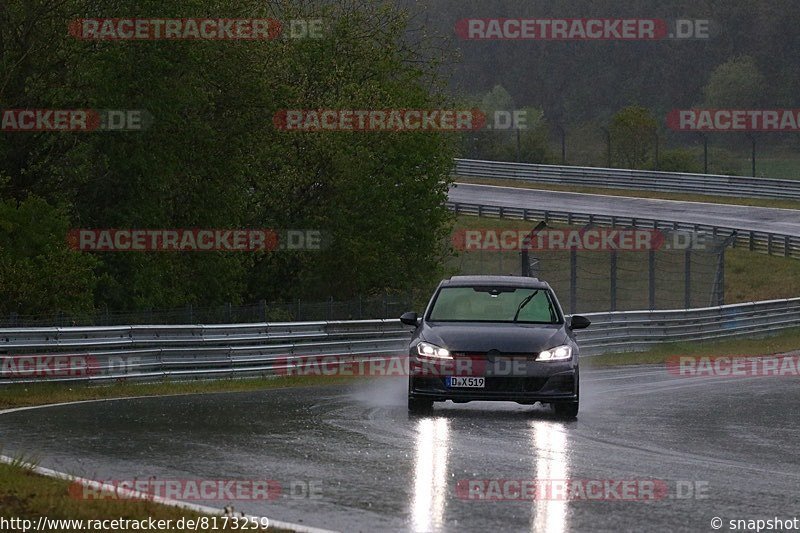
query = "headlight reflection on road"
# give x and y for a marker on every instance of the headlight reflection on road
(552, 451)
(430, 474)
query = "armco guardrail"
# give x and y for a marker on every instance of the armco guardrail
(769, 243)
(196, 351)
(640, 330)
(709, 184)
(229, 350)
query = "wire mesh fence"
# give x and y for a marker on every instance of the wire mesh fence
(367, 307)
(616, 280)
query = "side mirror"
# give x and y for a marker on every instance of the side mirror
(579, 322)
(409, 318)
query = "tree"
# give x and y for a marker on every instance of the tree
(38, 271)
(525, 141)
(213, 158)
(736, 83)
(632, 132)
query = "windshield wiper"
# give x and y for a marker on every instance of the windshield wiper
(524, 302)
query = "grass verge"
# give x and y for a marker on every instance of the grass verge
(26, 495)
(24, 395)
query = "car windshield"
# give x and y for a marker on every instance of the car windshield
(494, 304)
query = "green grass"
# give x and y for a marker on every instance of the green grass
(632, 193)
(783, 342)
(27, 495)
(47, 393)
(773, 167)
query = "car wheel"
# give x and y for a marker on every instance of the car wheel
(419, 405)
(566, 410)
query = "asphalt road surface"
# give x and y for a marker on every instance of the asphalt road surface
(785, 221)
(713, 447)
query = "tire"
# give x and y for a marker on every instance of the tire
(419, 405)
(566, 410)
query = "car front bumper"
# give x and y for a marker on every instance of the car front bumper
(555, 383)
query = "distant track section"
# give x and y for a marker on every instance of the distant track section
(620, 178)
(768, 230)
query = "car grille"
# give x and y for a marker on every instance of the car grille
(499, 384)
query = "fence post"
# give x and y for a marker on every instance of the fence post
(613, 278)
(262, 308)
(687, 279)
(719, 278)
(573, 280)
(651, 267)
(721, 287)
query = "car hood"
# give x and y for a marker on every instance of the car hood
(477, 337)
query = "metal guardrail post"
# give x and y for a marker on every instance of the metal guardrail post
(573, 280)
(613, 279)
(651, 278)
(687, 278)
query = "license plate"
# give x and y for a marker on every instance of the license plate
(464, 382)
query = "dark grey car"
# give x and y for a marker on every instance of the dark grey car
(501, 338)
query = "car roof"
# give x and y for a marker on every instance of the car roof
(495, 281)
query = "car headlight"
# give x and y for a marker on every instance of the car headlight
(559, 353)
(426, 349)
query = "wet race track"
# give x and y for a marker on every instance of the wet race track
(742, 217)
(372, 467)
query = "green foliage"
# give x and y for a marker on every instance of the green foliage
(632, 133)
(525, 141)
(212, 157)
(680, 160)
(38, 271)
(736, 83)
